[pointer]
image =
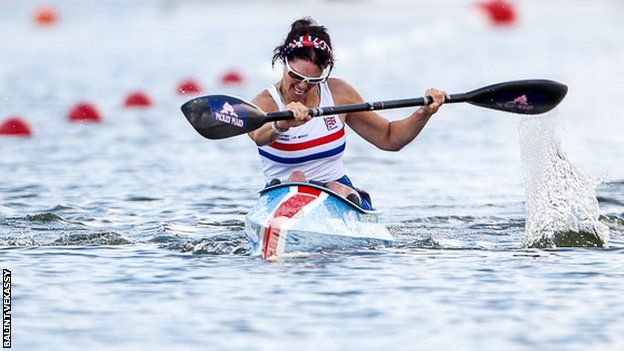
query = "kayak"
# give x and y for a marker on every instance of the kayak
(305, 217)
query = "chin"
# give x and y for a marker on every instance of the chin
(296, 96)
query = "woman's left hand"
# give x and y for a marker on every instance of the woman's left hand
(438, 96)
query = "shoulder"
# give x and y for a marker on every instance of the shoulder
(343, 92)
(265, 101)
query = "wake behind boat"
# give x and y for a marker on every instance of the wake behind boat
(304, 217)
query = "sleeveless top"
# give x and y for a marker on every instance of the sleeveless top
(315, 148)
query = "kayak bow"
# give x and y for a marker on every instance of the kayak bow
(304, 217)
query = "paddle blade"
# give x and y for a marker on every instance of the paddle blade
(529, 97)
(222, 116)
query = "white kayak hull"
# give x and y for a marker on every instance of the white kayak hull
(303, 217)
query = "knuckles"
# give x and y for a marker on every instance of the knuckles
(299, 110)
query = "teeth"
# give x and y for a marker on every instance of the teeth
(298, 91)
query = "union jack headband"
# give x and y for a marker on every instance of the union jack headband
(306, 41)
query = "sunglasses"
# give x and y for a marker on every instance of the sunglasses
(310, 80)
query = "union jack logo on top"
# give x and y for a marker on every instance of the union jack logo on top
(331, 123)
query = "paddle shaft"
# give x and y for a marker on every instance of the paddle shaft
(367, 106)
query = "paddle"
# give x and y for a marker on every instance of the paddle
(223, 116)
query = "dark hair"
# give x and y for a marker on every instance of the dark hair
(306, 26)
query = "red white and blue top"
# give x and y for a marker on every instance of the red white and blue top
(315, 148)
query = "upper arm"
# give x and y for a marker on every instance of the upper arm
(266, 103)
(368, 124)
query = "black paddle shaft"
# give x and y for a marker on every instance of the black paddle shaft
(366, 106)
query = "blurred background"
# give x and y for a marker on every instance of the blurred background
(106, 190)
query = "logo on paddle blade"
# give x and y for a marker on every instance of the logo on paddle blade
(228, 115)
(521, 103)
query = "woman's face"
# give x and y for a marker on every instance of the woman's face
(295, 88)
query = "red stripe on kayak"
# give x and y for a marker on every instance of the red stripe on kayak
(309, 190)
(271, 240)
(284, 212)
(308, 144)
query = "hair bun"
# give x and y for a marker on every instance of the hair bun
(302, 26)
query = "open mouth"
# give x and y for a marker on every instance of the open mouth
(298, 91)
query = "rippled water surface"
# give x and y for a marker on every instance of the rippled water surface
(128, 234)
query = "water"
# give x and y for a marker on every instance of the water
(129, 234)
(562, 208)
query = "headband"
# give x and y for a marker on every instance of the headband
(306, 41)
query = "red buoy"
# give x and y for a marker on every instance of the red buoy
(45, 16)
(232, 77)
(15, 126)
(500, 12)
(84, 112)
(189, 87)
(138, 99)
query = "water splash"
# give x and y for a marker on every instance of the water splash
(226, 243)
(222, 245)
(561, 205)
(91, 239)
(45, 217)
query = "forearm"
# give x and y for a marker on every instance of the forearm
(401, 133)
(264, 135)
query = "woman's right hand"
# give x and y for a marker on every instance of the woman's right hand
(300, 111)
